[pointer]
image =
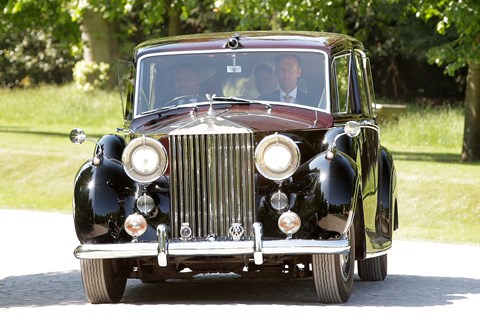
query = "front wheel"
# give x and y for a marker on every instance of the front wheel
(333, 274)
(104, 280)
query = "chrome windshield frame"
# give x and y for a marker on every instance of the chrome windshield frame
(137, 114)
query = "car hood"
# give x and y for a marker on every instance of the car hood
(232, 120)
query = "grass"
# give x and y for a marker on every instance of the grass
(37, 160)
(438, 195)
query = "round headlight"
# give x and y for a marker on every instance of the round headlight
(277, 157)
(144, 159)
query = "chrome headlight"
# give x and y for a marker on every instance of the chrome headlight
(144, 159)
(277, 157)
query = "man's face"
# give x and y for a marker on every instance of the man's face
(186, 82)
(288, 71)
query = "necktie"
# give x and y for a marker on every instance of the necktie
(287, 98)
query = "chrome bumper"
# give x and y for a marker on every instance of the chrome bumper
(256, 247)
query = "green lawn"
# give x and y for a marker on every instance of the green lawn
(438, 195)
(37, 160)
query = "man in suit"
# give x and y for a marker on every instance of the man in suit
(288, 71)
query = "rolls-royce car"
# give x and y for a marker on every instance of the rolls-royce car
(253, 153)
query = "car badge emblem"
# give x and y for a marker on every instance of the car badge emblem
(236, 231)
(185, 232)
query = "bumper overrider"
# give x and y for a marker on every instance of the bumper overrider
(257, 247)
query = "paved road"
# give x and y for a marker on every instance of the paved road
(40, 279)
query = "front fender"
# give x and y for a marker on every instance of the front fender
(103, 195)
(332, 190)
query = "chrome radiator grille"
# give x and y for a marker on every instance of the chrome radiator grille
(212, 183)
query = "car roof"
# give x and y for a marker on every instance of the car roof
(331, 43)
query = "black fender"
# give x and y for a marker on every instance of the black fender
(332, 188)
(103, 195)
(388, 193)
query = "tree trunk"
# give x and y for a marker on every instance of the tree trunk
(174, 25)
(471, 133)
(99, 40)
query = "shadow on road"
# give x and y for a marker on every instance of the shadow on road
(397, 290)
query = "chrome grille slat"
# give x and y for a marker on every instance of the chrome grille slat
(212, 182)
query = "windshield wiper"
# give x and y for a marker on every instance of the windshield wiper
(173, 107)
(214, 98)
(241, 100)
(162, 109)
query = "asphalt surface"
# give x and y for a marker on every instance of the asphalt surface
(40, 279)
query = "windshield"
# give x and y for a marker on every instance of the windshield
(294, 77)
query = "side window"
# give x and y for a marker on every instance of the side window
(362, 84)
(126, 82)
(341, 84)
(371, 91)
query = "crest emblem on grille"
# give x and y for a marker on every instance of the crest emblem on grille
(185, 232)
(236, 231)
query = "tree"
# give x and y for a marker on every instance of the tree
(461, 18)
(38, 42)
(314, 15)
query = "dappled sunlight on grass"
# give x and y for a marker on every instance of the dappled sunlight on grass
(438, 194)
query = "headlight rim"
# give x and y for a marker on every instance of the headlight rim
(272, 140)
(132, 170)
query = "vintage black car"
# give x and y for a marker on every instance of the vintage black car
(216, 171)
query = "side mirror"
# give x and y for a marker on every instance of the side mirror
(352, 129)
(77, 136)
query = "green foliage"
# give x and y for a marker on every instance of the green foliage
(312, 15)
(462, 17)
(37, 42)
(90, 75)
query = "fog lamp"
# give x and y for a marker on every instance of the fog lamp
(279, 200)
(135, 225)
(145, 204)
(289, 223)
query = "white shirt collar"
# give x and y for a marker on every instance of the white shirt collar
(292, 94)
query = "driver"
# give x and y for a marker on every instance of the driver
(187, 82)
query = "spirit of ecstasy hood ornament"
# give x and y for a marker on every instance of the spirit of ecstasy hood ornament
(210, 110)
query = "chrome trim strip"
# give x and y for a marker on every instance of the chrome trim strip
(286, 49)
(208, 248)
(256, 247)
